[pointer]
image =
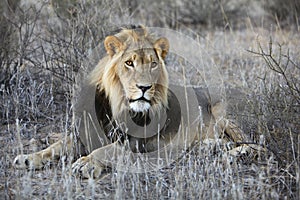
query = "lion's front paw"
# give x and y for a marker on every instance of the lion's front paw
(31, 161)
(86, 167)
(240, 150)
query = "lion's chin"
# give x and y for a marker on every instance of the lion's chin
(139, 106)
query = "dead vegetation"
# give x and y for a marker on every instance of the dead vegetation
(44, 46)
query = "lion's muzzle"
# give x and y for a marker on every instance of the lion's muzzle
(142, 103)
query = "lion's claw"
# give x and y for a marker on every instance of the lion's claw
(85, 167)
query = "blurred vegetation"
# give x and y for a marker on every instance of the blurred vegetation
(286, 12)
(8, 40)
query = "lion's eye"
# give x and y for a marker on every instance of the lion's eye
(153, 64)
(129, 63)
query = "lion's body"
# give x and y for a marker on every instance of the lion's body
(131, 77)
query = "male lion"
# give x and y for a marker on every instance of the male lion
(132, 78)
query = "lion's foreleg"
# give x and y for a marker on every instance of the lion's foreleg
(39, 159)
(98, 161)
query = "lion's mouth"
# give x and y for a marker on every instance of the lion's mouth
(142, 98)
(140, 105)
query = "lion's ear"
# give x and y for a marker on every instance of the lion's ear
(162, 47)
(112, 45)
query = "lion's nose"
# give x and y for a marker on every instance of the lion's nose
(144, 88)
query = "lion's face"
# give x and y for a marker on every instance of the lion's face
(139, 72)
(135, 77)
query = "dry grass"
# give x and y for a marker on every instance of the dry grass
(42, 52)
